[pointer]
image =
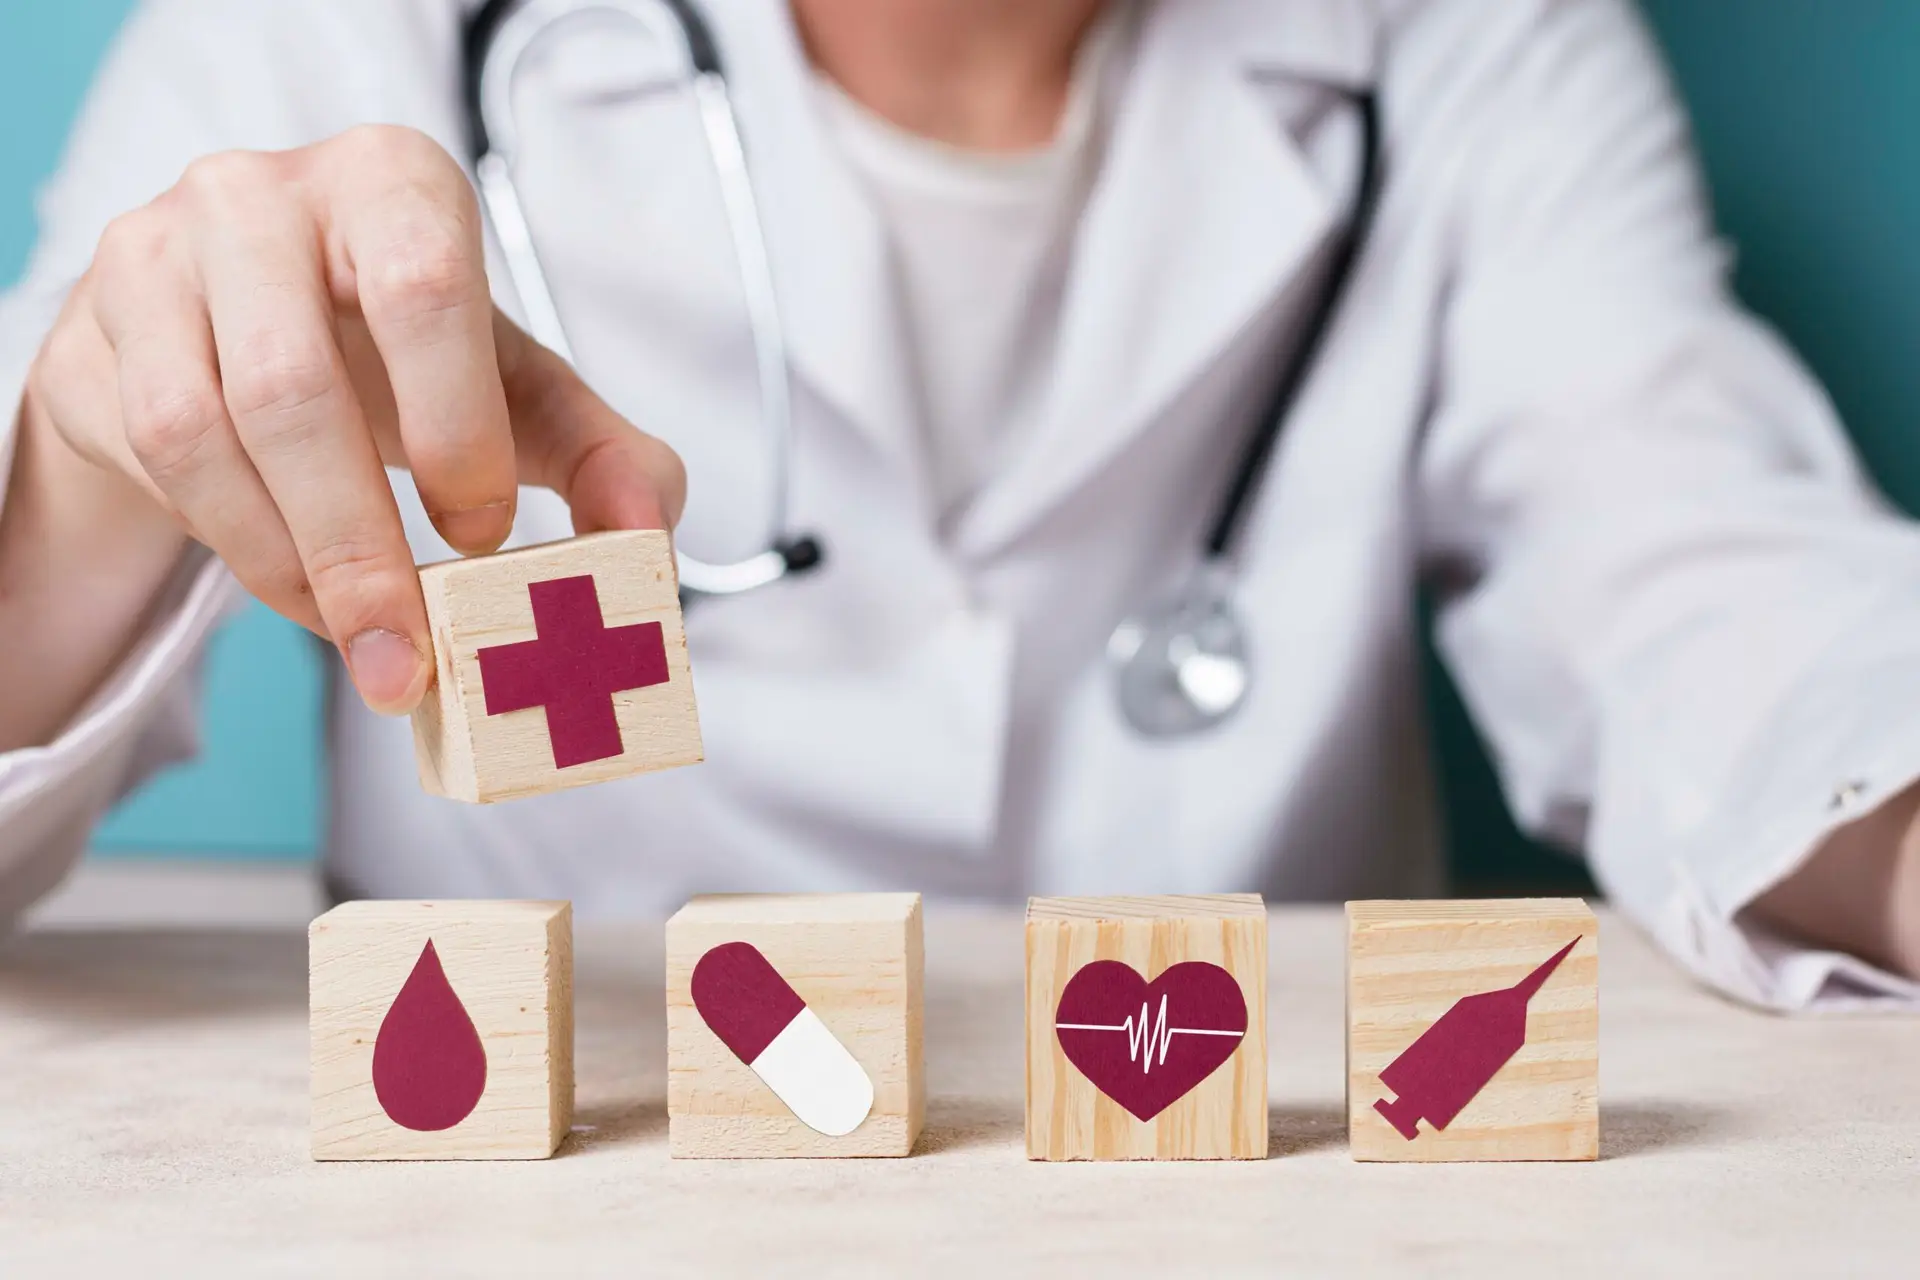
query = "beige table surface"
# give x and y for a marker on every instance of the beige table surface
(153, 1115)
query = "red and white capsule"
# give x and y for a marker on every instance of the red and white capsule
(746, 1002)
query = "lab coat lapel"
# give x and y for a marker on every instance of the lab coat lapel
(1204, 211)
(828, 249)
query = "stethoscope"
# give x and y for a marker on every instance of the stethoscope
(1178, 668)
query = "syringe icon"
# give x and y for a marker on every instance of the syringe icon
(1440, 1073)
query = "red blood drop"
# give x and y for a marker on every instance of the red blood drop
(429, 1067)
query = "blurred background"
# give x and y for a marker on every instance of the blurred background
(1804, 114)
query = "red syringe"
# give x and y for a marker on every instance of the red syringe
(1453, 1059)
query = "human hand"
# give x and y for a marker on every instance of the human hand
(250, 349)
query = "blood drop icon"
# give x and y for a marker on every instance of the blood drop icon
(429, 1067)
(749, 1006)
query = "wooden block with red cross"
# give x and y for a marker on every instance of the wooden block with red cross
(555, 666)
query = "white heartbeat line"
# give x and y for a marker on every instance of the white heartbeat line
(1144, 1042)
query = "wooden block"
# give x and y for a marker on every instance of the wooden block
(441, 1030)
(760, 991)
(555, 666)
(1147, 1028)
(1473, 1030)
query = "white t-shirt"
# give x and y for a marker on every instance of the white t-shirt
(981, 242)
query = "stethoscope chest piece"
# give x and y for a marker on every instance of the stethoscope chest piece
(1182, 668)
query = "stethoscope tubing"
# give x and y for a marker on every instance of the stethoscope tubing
(492, 44)
(1223, 529)
(1186, 666)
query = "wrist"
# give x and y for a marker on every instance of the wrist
(1859, 891)
(71, 524)
(1903, 908)
(83, 554)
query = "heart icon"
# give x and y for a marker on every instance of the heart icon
(1145, 1044)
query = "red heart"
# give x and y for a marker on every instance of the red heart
(1146, 1044)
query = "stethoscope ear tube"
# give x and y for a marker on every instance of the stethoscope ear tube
(802, 554)
(788, 559)
(476, 42)
(703, 52)
(477, 37)
(509, 28)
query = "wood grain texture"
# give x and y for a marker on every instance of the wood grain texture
(1225, 1115)
(466, 754)
(1409, 962)
(153, 1092)
(857, 961)
(510, 963)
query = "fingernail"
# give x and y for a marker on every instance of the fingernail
(387, 670)
(476, 530)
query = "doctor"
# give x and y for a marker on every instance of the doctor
(1039, 262)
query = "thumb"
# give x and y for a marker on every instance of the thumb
(611, 474)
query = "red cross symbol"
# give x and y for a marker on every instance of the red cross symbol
(573, 669)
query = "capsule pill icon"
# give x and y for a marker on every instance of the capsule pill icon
(766, 1024)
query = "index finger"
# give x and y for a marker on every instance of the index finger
(404, 231)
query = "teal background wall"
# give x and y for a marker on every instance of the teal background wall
(1805, 114)
(255, 790)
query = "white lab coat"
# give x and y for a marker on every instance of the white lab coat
(1676, 607)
